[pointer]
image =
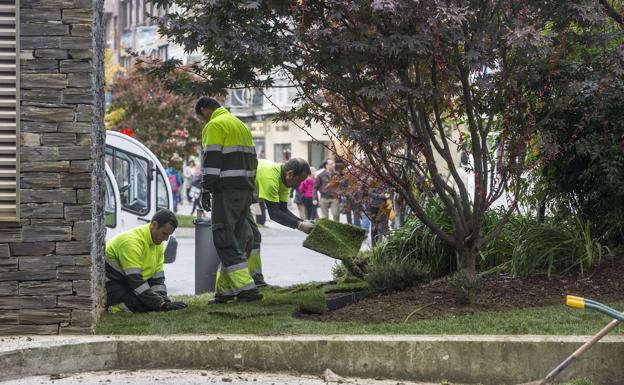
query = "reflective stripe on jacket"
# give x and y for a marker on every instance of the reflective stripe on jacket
(229, 155)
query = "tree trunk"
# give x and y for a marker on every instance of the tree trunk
(467, 260)
(541, 213)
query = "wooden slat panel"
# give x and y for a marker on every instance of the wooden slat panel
(9, 129)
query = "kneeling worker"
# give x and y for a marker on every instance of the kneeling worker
(273, 184)
(135, 277)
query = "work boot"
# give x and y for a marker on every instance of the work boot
(249, 295)
(222, 299)
(259, 281)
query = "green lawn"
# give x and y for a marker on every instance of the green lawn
(185, 220)
(273, 316)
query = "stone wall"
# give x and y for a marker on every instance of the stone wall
(49, 260)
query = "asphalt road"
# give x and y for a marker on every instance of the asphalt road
(285, 261)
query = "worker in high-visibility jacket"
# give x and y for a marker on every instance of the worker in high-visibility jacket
(134, 261)
(273, 184)
(229, 170)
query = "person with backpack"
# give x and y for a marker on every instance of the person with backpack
(175, 181)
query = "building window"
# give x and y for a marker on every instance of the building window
(282, 152)
(163, 52)
(9, 113)
(282, 127)
(317, 153)
(128, 15)
(259, 143)
(141, 12)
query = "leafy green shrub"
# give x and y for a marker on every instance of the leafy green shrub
(464, 286)
(497, 252)
(524, 247)
(396, 276)
(555, 248)
(415, 242)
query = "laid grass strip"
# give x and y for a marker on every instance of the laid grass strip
(339, 241)
(274, 316)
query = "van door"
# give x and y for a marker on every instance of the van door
(112, 204)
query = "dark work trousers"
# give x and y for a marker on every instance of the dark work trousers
(119, 292)
(232, 234)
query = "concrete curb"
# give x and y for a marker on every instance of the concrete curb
(489, 360)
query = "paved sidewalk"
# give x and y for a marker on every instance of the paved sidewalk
(190, 377)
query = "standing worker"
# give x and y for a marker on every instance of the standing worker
(273, 184)
(229, 170)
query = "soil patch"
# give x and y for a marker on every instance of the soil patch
(497, 292)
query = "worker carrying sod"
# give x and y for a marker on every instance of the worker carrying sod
(229, 170)
(135, 276)
(273, 184)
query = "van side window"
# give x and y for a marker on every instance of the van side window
(131, 173)
(162, 200)
(110, 206)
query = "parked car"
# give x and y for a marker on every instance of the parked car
(136, 187)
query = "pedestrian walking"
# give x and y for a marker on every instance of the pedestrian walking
(192, 171)
(326, 186)
(306, 188)
(175, 182)
(377, 208)
(196, 187)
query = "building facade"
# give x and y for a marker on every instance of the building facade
(130, 29)
(278, 141)
(51, 166)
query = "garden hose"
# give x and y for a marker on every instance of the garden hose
(582, 303)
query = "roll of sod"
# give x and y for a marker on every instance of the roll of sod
(337, 240)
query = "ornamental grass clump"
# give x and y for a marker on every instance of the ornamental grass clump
(339, 241)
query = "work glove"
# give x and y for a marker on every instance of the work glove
(171, 306)
(305, 226)
(205, 201)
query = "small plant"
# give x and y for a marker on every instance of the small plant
(465, 287)
(342, 274)
(396, 276)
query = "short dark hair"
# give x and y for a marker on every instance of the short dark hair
(206, 102)
(298, 166)
(164, 216)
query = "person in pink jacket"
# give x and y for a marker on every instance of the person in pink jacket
(309, 200)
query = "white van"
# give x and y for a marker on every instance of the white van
(136, 187)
